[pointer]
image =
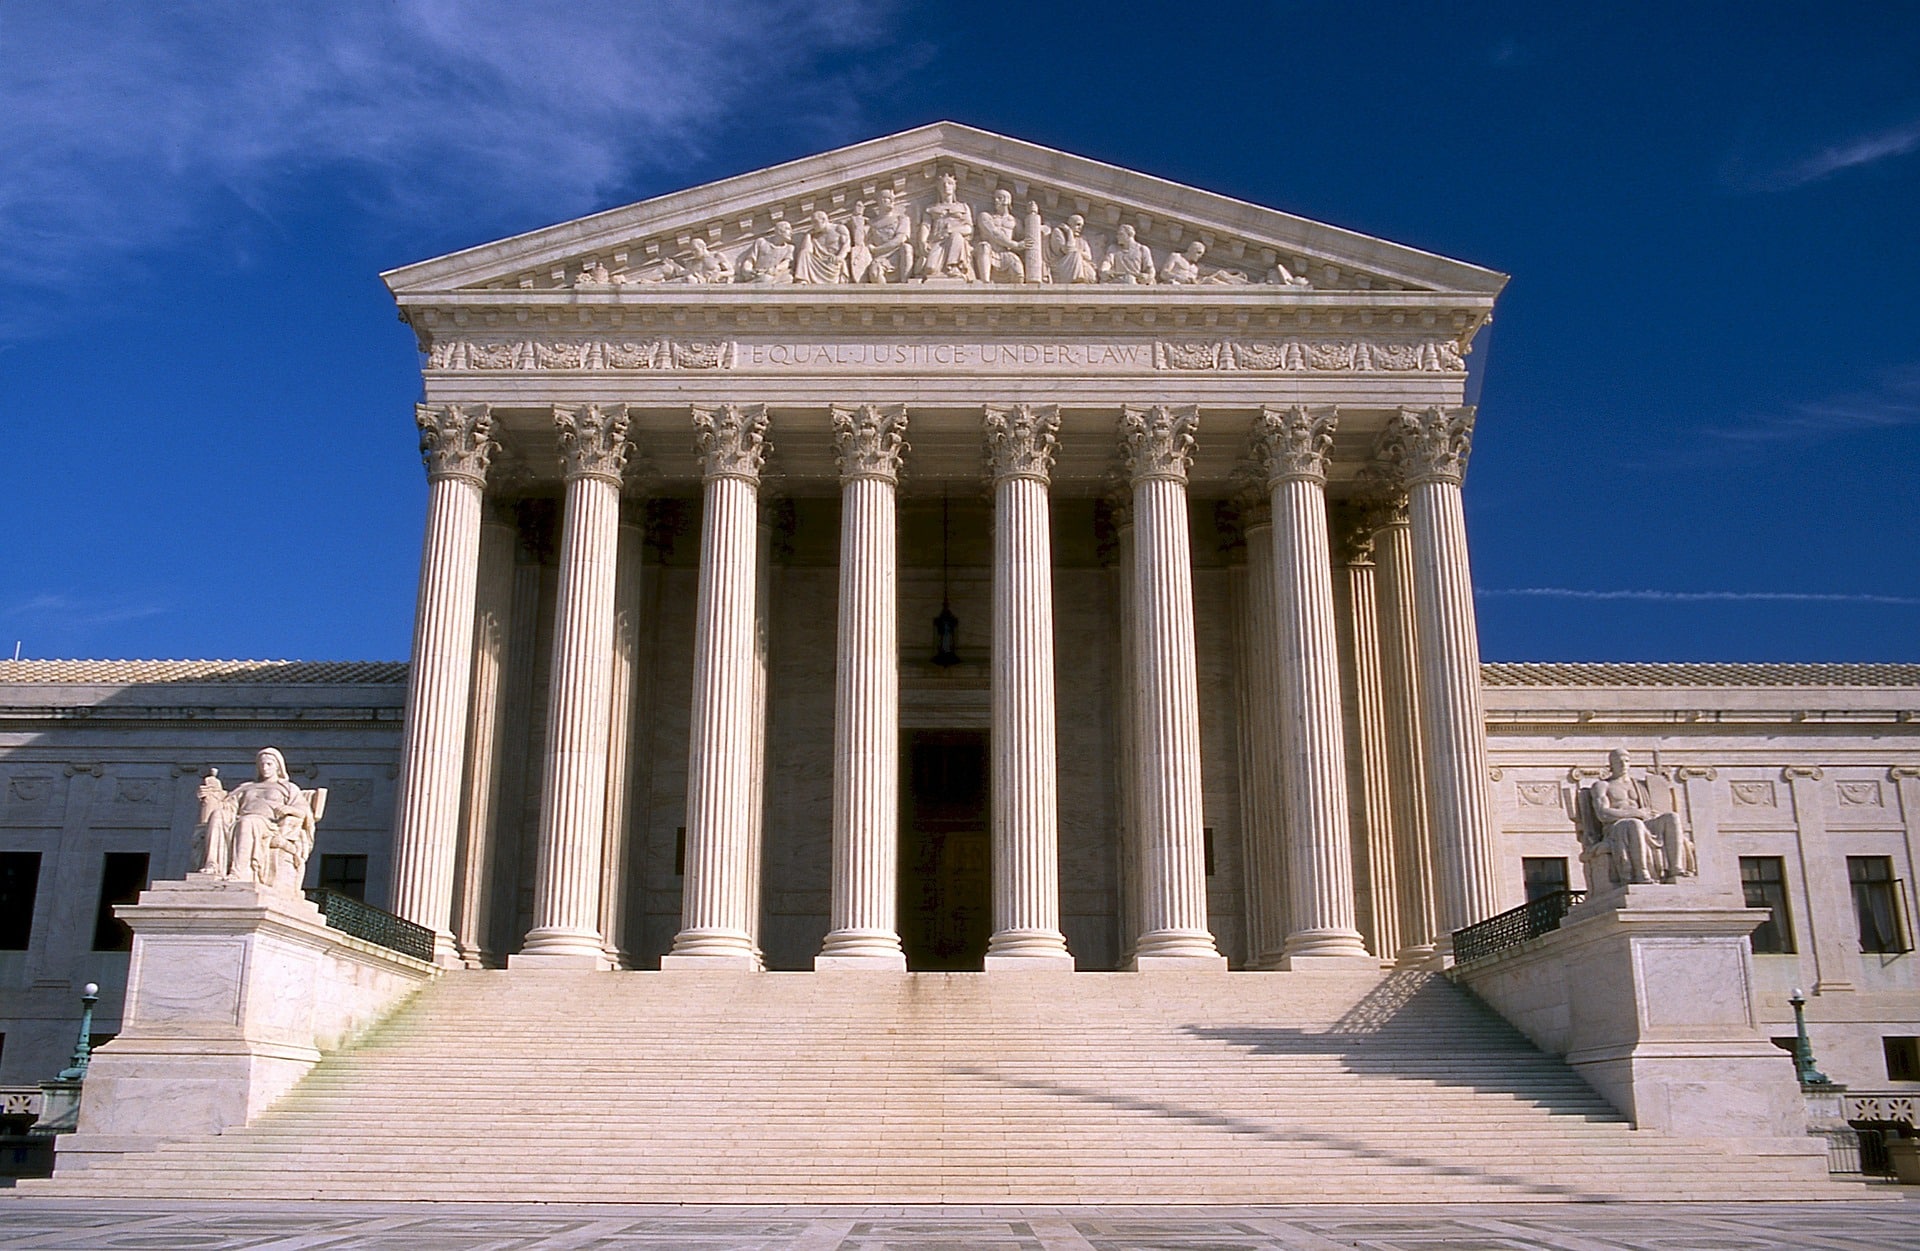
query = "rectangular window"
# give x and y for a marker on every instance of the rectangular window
(19, 887)
(1903, 1059)
(1764, 881)
(344, 875)
(123, 875)
(1543, 875)
(1876, 904)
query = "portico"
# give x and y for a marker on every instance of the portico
(687, 537)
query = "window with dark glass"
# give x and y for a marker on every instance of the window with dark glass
(1876, 904)
(123, 875)
(1543, 875)
(1903, 1059)
(344, 875)
(19, 887)
(1764, 881)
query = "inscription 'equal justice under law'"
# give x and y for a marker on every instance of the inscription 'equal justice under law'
(981, 355)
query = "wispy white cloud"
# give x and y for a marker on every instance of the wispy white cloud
(1881, 145)
(1704, 597)
(126, 123)
(1892, 402)
(67, 612)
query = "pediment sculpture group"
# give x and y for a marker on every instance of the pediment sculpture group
(951, 242)
(260, 831)
(1630, 828)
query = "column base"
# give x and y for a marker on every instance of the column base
(824, 963)
(1180, 944)
(1419, 956)
(446, 952)
(1028, 944)
(1326, 949)
(712, 947)
(863, 946)
(559, 949)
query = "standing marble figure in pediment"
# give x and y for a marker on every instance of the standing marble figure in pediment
(1000, 242)
(946, 235)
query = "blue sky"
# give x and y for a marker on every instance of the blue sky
(1700, 422)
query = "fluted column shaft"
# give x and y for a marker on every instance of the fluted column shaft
(1262, 792)
(1406, 764)
(1435, 443)
(1026, 801)
(573, 783)
(717, 904)
(456, 443)
(1173, 896)
(486, 736)
(1125, 685)
(1294, 443)
(623, 732)
(866, 720)
(1375, 806)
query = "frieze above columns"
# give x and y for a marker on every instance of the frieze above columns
(456, 440)
(1021, 440)
(869, 440)
(731, 440)
(593, 440)
(1157, 441)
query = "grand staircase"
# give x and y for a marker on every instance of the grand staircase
(960, 1088)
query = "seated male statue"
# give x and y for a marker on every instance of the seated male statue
(1630, 830)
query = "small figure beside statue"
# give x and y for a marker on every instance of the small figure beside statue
(260, 831)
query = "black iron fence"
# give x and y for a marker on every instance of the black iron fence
(1514, 926)
(363, 920)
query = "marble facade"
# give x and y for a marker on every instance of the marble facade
(701, 473)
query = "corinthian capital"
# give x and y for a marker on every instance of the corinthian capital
(1292, 443)
(593, 440)
(1021, 440)
(1428, 444)
(869, 440)
(1351, 526)
(456, 440)
(731, 440)
(1158, 441)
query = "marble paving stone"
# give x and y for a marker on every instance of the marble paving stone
(29, 1224)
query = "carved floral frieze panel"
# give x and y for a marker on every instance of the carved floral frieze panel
(617, 354)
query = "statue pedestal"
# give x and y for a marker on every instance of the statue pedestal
(1647, 992)
(233, 993)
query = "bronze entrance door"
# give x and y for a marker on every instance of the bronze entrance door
(946, 886)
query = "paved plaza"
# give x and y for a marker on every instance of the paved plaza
(30, 1224)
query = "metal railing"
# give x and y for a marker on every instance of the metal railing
(1514, 926)
(363, 920)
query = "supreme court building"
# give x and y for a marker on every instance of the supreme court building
(949, 554)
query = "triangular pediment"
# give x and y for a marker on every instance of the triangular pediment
(945, 182)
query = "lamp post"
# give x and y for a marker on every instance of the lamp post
(1802, 1048)
(83, 1048)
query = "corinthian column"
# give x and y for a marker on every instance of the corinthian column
(1430, 447)
(1026, 801)
(1293, 444)
(870, 441)
(1354, 538)
(486, 735)
(1158, 442)
(456, 442)
(717, 907)
(1400, 696)
(1261, 798)
(573, 787)
(624, 734)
